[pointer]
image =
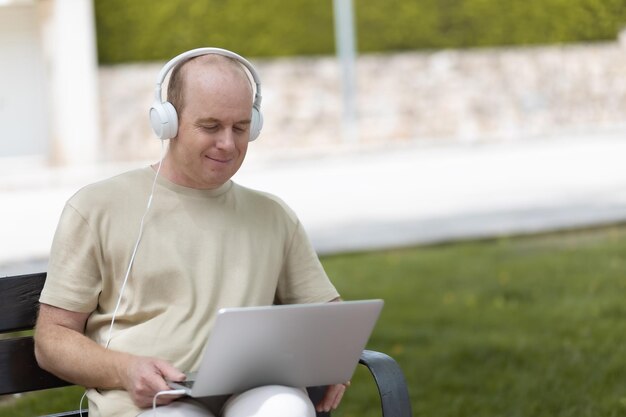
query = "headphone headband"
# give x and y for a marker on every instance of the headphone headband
(206, 51)
(163, 115)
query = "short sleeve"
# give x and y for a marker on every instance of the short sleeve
(74, 280)
(303, 279)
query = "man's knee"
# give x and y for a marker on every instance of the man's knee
(270, 401)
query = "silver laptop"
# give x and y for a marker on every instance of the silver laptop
(298, 345)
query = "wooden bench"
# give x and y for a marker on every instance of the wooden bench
(20, 373)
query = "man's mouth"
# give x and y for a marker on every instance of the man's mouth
(220, 160)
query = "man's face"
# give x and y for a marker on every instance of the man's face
(214, 128)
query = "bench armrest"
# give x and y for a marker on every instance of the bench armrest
(394, 395)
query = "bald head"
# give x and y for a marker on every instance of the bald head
(211, 68)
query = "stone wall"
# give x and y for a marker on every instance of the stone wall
(475, 96)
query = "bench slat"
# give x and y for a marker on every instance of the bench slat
(18, 301)
(76, 413)
(18, 368)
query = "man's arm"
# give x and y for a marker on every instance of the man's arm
(62, 349)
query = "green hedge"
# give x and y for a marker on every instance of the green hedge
(139, 30)
(144, 30)
(466, 23)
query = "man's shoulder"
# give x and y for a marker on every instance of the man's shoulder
(112, 187)
(263, 200)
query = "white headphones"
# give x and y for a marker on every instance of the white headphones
(163, 116)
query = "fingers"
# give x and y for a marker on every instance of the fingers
(169, 372)
(146, 377)
(341, 390)
(332, 398)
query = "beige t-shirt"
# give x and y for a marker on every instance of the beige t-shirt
(201, 250)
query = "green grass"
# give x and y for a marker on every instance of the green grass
(44, 402)
(526, 326)
(529, 326)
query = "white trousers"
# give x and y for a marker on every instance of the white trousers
(267, 401)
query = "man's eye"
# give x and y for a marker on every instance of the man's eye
(240, 129)
(212, 128)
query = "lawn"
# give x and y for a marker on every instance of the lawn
(524, 326)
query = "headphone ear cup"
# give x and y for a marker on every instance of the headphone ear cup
(256, 123)
(164, 120)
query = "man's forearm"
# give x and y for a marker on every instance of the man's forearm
(75, 358)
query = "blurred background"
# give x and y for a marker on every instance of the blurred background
(409, 122)
(417, 124)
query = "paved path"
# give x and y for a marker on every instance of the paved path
(379, 198)
(433, 194)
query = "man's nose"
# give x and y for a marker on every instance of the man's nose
(226, 139)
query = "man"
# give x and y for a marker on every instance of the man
(207, 243)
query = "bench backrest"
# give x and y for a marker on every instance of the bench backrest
(19, 371)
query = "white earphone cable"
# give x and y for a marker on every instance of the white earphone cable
(130, 263)
(132, 257)
(168, 392)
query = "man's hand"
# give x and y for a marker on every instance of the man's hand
(63, 349)
(334, 393)
(145, 377)
(332, 398)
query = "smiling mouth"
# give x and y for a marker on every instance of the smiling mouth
(221, 161)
